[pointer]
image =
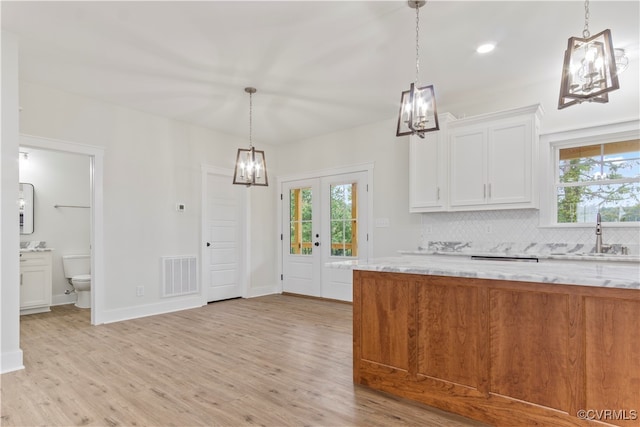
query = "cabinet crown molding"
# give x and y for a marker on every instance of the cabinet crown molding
(535, 109)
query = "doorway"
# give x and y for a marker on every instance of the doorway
(96, 242)
(324, 219)
(224, 220)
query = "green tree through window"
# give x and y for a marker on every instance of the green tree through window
(601, 178)
(344, 220)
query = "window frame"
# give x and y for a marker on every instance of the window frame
(551, 144)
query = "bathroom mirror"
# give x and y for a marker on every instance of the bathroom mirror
(25, 204)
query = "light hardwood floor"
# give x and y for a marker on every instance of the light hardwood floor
(274, 361)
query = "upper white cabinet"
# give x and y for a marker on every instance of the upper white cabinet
(492, 160)
(428, 159)
(477, 163)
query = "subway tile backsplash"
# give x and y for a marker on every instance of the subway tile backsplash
(517, 226)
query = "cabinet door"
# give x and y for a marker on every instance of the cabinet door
(509, 158)
(427, 173)
(33, 289)
(468, 167)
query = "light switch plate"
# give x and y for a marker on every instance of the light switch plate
(382, 222)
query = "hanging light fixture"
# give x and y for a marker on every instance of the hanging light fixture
(418, 104)
(622, 61)
(589, 71)
(251, 166)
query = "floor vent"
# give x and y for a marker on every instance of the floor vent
(179, 276)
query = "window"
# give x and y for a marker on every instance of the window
(300, 221)
(596, 178)
(344, 220)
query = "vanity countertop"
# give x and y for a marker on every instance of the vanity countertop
(36, 250)
(569, 272)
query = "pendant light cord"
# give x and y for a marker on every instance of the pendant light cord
(250, 119)
(417, 44)
(585, 31)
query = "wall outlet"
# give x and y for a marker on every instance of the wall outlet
(140, 291)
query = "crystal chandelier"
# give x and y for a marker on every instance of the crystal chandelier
(251, 166)
(589, 72)
(418, 104)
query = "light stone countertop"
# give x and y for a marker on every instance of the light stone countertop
(600, 274)
(577, 256)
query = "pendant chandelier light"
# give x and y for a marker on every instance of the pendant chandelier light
(251, 166)
(418, 104)
(589, 72)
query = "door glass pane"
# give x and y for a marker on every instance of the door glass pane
(300, 221)
(344, 219)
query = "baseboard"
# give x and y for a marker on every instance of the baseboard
(262, 291)
(291, 294)
(62, 299)
(162, 307)
(11, 361)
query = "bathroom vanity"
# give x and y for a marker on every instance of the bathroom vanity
(507, 343)
(35, 281)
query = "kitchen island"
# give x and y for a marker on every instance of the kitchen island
(508, 343)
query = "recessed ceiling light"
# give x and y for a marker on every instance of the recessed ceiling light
(485, 48)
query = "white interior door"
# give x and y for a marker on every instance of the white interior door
(324, 220)
(223, 234)
(301, 237)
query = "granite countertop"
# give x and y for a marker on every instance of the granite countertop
(566, 256)
(600, 274)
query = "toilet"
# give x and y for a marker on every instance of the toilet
(77, 270)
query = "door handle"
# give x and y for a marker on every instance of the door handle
(316, 244)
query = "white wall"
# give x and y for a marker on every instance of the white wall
(623, 105)
(59, 179)
(375, 143)
(10, 353)
(150, 164)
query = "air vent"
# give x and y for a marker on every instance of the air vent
(179, 276)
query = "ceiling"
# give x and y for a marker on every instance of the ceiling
(319, 66)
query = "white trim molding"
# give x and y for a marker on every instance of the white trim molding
(96, 155)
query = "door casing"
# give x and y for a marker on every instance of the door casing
(245, 255)
(367, 168)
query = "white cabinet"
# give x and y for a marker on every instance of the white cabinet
(493, 159)
(35, 282)
(428, 160)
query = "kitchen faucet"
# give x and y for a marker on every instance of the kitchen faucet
(600, 248)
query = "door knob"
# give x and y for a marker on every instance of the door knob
(317, 243)
(208, 244)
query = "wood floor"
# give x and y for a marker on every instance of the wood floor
(273, 361)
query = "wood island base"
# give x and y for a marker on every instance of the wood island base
(503, 352)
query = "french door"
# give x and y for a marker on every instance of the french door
(323, 220)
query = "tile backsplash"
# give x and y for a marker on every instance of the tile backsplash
(519, 226)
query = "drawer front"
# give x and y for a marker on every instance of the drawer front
(34, 258)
